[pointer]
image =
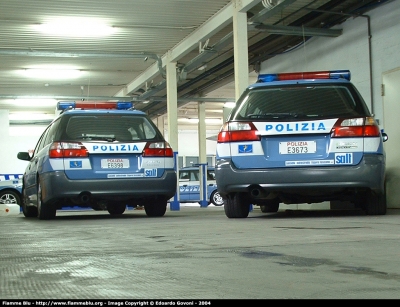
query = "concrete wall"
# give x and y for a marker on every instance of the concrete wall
(14, 139)
(351, 51)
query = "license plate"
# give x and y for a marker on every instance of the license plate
(297, 147)
(114, 163)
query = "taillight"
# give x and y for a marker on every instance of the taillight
(158, 149)
(67, 150)
(238, 131)
(356, 127)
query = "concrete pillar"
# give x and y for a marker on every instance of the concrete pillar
(172, 105)
(240, 47)
(202, 132)
(172, 113)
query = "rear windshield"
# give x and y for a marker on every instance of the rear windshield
(109, 128)
(300, 102)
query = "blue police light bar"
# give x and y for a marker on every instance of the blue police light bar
(333, 74)
(120, 105)
(123, 105)
(62, 105)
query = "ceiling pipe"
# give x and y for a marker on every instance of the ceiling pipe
(369, 49)
(209, 52)
(266, 56)
(201, 58)
(298, 31)
(192, 64)
(56, 54)
(107, 98)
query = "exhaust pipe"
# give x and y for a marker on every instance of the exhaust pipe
(84, 197)
(258, 192)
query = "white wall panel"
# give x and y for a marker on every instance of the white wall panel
(350, 51)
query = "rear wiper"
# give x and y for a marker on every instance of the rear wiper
(276, 115)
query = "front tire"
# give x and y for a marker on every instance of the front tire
(216, 198)
(236, 206)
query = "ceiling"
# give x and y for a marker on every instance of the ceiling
(130, 64)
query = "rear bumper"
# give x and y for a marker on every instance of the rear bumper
(55, 185)
(369, 173)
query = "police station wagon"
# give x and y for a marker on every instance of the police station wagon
(296, 138)
(106, 156)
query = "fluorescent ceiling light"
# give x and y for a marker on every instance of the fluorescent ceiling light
(39, 73)
(189, 120)
(34, 103)
(76, 27)
(213, 121)
(229, 105)
(196, 120)
(215, 111)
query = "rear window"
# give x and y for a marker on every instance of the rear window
(193, 175)
(109, 127)
(300, 102)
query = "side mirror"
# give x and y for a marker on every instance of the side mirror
(385, 137)
(24, 155)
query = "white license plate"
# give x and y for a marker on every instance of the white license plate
(297, 147)
(114, 163)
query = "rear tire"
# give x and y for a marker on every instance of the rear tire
(375, 203)
(236, 206)
(28, 211)
(45, 210)
(156, 208)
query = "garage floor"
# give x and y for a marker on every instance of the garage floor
(198, 253)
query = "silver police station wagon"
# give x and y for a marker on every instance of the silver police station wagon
(106, 156)
(296, 138)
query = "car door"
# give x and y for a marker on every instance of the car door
(33, 167)
(195, 181)
(184, 186)
(194, 185)
(211, 182)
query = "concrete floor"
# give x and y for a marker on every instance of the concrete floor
(198, 253)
